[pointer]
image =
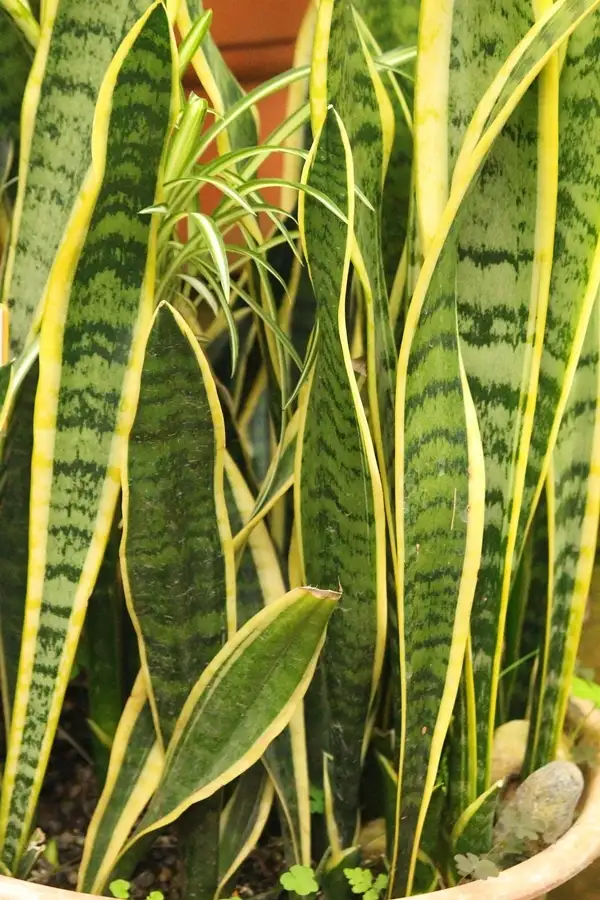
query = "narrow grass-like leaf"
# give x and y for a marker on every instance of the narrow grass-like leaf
(219, 83)
(174, 510)
(134, 771)
(244, 698)
(56, 135)
(339, 498)
(575, 488)
(89, 369)
(23, 19)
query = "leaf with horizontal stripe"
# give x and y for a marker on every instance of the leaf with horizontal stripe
(89, 371)
(177, 553)
(574, 486)
(500, 313)
(439, 521)
(177, 556)
(576, 265)
(339, 499)
(343, 74)
(76, 46)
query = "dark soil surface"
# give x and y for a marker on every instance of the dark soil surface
(66, 806)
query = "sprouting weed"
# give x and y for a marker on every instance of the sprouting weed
(478, 868)
(317, 800)
(121, 889)
(361, 882)
(300, 880)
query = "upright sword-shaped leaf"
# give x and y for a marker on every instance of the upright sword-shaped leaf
(339, 502)
(56, 131)
(89, 374)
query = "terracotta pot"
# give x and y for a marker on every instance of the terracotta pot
(528, 881)
(257, 39)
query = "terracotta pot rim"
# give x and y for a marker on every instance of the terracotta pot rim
(573, 853)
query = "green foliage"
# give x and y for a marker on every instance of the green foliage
(120, 888)
(375, 373)
(300, 880)
(361, 881)
(317, 800)
(471, 866)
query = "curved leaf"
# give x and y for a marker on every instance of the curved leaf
(243, 700)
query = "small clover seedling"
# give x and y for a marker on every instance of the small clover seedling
(300, 880)
(470, 865)
(121, 890)
(361, 882)
(317, 800)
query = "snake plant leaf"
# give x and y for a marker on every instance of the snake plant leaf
(278, 480)
(243, 700)
(133, 772)
(56, 133)
(174, 509)
(259, 581)
(15, 475)
(339, 498)
(343, 74)
(491, 115)
(440, 484)
(530, 599)
(394, 23)
(15, 57)
(576, 272)
(198, 838)
(219, 83)
(103, 637)
(574, 486)
(499, 311)
(243, 820)
(89, 368)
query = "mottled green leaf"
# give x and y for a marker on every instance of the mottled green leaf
(574, 506)
(84, 358)
(56, 144)
(339, 500)
(244, 698)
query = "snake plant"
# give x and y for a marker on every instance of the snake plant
(307, 487)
